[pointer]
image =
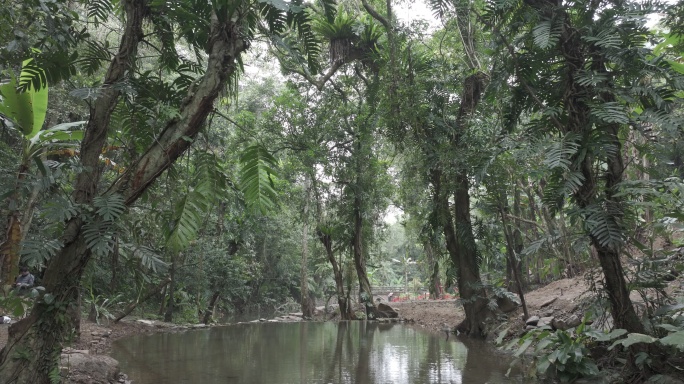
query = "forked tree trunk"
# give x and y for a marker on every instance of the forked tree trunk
(461, 248)
(43, 332)
(342, 300)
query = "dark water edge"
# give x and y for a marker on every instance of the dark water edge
(310, 352)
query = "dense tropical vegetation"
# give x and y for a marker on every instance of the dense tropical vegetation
(185, 159)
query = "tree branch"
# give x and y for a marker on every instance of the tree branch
(226, 43)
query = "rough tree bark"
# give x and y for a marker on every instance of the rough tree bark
(41, 334)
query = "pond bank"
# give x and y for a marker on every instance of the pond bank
(559, 299)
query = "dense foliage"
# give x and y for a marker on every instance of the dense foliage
(190, 160)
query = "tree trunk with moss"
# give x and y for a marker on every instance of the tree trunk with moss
(35, 342)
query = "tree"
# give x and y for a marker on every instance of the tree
(585, 74)
(224, 31)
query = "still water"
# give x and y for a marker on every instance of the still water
(308, 353)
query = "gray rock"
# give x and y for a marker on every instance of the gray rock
(530, 327)
(81, 368)
(384, 310)
(506, 305)
(533, 320)
(545, 322)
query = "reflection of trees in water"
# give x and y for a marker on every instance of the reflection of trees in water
(353, 343)
(363, 374)
(336, 361)
(476, 370)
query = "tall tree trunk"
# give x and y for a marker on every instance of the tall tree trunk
(463, 256)
(511, 254)
(171, 290)
(10, 247)
(365, 293)
(433, 268)
(210, 308)
(308, 306)
(44, 330)
(114, 265)
(469, 283)
(146, 296)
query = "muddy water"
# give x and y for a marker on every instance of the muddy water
(308, 353)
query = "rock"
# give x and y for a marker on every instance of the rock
(548, 302)
(533, 320)
(545, 322)
(560, 324)
(548, 312)
(506, 305)
(530, 327)
(384, 310)
(146, 322)
(297, 314)
(82, 368)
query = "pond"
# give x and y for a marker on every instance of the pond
(308, 352)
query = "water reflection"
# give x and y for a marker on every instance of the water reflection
(311, 353)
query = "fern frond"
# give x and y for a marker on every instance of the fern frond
(546, 34)
(149, 258)
(186, 221)
(99, 10)
(256, 178)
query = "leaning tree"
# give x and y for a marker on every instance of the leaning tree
(218, 33)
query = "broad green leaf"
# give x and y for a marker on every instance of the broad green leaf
(669, 327)
(523, 347)
(675, 339)
(501, 336)
(633, 338)
(601, 336)
(17, 107)
(39, 103)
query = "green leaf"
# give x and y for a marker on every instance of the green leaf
(526, 344)
(634, 338)
(675, 339)
(669, 327)
(39, 102)
(602, 336)
(501, 336)
(256, 178)
(17, 107)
